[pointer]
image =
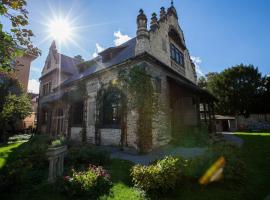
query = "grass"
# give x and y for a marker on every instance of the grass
(5, 150)
(255, 154)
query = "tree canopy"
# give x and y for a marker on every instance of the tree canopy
(14, 103)
(16, 40)
(240, 89)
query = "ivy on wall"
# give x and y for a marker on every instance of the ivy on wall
(105, 96)
(142, 97)
(76, 95)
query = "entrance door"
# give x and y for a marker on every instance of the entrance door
(225, 125)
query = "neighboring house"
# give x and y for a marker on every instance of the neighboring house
(254, 122)
(161, 51)
(22, 68)
(31, 121)
(225, 123)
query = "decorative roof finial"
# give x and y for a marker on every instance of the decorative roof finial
(171, 2)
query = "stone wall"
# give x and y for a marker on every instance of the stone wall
(160, 46)
(253, 122)
(75, 134)
(111, 137)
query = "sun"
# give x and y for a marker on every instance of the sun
(60, 29)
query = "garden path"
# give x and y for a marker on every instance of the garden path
(230, 137)
(155, 154)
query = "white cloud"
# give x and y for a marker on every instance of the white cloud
(197, 61)
(120, 38)
(97, 50)
(33, 86)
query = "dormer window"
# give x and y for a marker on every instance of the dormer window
(176, 55)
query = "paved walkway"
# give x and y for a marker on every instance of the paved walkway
(156, 154)
(230, 137)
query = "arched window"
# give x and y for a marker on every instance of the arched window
(109, 109)
(76, 113)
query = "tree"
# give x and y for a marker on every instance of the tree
(237, 88)
(14, 42)
(14, 104)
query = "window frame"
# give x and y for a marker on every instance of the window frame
(111, 108)
(176, 55)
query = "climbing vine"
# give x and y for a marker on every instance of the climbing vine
(142, 97)
(112, 92)
(76, 95)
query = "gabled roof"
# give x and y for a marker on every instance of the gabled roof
(68, 64)
(124, 52)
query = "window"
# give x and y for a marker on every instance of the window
(177, 55)
(46, 89)
(111, 109)
(158, 84)
(44, 117)
(77, 113)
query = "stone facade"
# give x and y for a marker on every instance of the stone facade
(173, 78)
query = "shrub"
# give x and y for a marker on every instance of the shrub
(192, 137)
(58, 142)
(160, 176)
(26, 166)
(91, 183)
(85, 155)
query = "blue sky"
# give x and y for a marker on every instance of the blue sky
(218, 34)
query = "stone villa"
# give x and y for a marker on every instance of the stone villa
(97, 116)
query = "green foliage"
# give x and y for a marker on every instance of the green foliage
(27, 167)
(85, 155)
(159, 177)
(142, 98)
(120, 192)
(192, 137)
(17, 107)
(58, 142)
(14, 104)
(19, 138)
(239, 90)
(15, 12)
(90, 183)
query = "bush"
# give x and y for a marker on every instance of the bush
(85, 155)
(160, 176)
(58, 142)
(91, 183)
(26, 166)
(192, 137)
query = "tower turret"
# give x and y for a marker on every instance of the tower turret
(162, 14)
(154, 22)
(143, 43)
(172, 11)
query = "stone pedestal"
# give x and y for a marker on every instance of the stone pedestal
(56, 162)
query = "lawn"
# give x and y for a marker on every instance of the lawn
(5, 150)
(255, 153)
